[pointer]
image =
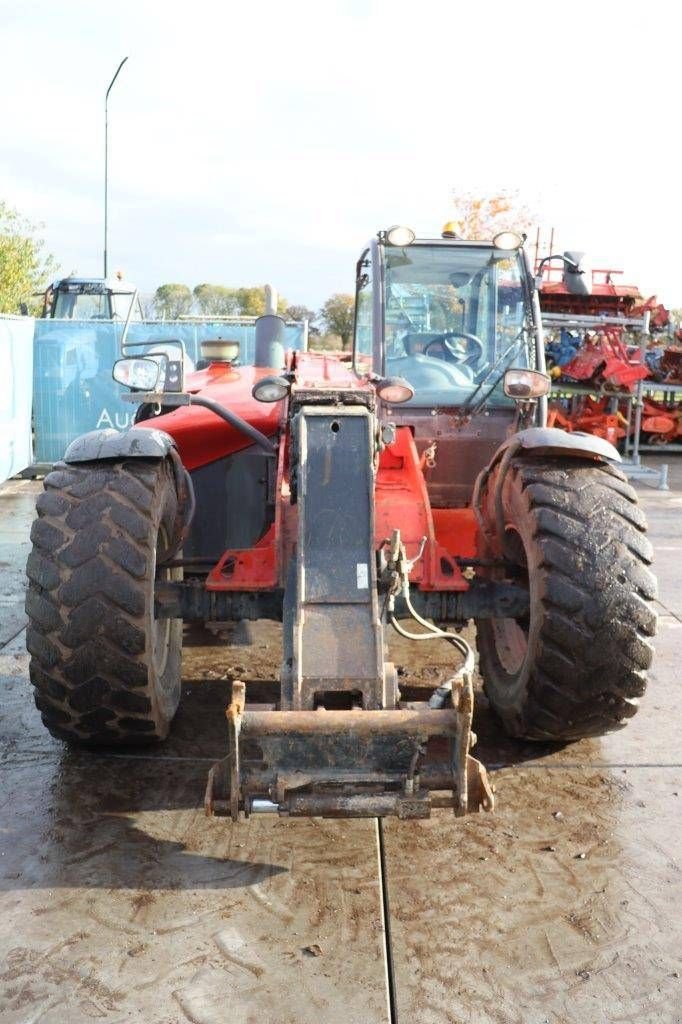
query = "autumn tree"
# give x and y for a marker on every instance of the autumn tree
(480, 215)
(251, 301)
(337, 316)
(24, 267)
(216, 300)
(172, 301)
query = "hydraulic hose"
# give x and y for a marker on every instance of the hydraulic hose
(443, 693)
(172, 400)
(235, 421)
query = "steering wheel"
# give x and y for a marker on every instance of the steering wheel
(470, 359)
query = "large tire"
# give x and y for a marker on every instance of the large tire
(105, 671)
(577, 665)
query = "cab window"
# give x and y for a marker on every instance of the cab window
(455, 320)
(120, 302)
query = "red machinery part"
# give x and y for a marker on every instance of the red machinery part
(590, 416)
(604, 358)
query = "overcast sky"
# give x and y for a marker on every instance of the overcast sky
(260, 141)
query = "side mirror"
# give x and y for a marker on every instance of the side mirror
(139, 374)
(526, 385)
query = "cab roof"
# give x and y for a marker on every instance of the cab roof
(94, 284)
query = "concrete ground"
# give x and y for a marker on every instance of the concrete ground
(120, 901)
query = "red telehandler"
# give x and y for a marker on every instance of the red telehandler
(413, 482)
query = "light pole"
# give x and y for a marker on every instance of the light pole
(106, 163)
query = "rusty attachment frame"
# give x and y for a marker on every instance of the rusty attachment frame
(403, 761)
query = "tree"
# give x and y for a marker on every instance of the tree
(337, 315)
(172, 301)
(481, 215)
(24, 267)
(216, 300)
(300, 313)
(251, 301)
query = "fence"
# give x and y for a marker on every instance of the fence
(16, 359)
(73, 390)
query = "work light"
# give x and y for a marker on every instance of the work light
(507, 240)
(270, 389)
(400, 236)
(140, 374)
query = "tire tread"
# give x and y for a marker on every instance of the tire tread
(594, 593)
(92, 544)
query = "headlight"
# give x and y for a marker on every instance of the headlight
(140, 374)
(270, 389)
(394, 390)
(526, 384)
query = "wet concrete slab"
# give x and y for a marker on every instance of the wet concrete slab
(120, 901)
(563, 906)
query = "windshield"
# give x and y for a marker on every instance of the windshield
(120, 302)
(455, 320)
(73, 305)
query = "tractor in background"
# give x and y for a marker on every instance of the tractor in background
(91, 298)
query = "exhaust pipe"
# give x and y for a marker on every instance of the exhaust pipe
(269, 342)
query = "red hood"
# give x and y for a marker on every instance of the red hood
(203, 437)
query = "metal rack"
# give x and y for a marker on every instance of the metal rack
(632, 463)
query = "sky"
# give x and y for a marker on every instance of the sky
(267, 141)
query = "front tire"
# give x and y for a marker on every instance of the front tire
(104, 669)
(577, 665)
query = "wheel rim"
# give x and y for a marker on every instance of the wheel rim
(511, 635)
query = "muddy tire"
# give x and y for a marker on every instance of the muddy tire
(104, 670)
(576, 666)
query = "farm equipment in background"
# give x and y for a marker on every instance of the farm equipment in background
(589, 345)
(591, 416)
(586, 351)
(661, 422)
(603, 360)
(417, 482)
(665, 364)
(575, 288)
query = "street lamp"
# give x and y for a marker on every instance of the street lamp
(106, 163)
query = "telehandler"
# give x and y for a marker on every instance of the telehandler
(411, 481)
